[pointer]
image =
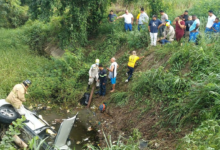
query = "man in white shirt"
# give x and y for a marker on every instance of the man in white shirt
(211, 19)
(142, 19)
(113, 72)
(129, 19)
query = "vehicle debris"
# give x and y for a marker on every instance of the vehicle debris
(89, 129)
(86, 139)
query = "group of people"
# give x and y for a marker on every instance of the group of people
(163, 31)
(98, 73)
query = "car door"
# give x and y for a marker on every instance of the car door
(64, 132)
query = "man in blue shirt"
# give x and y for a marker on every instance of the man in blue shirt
(112, 16)
(216, 26)
(153, 27)
(194, 29)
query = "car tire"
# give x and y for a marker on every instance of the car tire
(8, 114)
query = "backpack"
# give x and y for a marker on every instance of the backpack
(85, 99)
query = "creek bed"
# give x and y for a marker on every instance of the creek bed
(79, 133)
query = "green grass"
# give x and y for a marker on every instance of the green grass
(17, 61)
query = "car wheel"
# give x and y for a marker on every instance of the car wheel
(8, 114)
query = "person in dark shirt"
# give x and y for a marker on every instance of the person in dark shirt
(112, 16)
(103, 80)
(188, 25)
(153, 27)
(185, 16)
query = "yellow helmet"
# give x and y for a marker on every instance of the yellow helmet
(97, 61)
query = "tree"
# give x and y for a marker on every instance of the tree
(79, 17)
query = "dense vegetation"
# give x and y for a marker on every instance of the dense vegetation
(186, 86)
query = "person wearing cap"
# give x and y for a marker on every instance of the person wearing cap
(102, 80)
(94, 74)
(185, 16)
(142, 19)
(194, 29)
(153, 27)
(17, 96)
(180, 27)
(113, 72)
(129, 19)
(169, 34)
(131, 64)
(211, 19)
(167, 21)
(164, 17)
(188, 25)
(112, 17)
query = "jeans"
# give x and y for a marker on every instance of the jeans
(102, 89)
(141, 27)
(130, 72)
(164, 41)
(161, 30)
(208, 30)
(193, 36)
(153, 37)
(128, 26)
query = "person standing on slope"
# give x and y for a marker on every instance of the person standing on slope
(211, 20)
(17, 96)
(194, 30)
(102, 80)
(94, 74)
(153, 27)
(142, 19)
(129, 19)
(113, 73)
(164, 17)
(131, 64)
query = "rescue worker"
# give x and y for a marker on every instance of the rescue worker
(17, 96)
(94, 74)
(132, 60)
(102, 80)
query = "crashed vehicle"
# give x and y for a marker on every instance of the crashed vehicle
(37, 126)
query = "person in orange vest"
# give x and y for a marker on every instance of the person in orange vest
(132, 60)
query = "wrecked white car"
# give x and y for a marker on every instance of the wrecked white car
(37, 126)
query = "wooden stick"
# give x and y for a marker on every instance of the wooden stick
(19, 142)
(90, 97)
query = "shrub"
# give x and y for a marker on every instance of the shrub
(205, 137)
(12, 15)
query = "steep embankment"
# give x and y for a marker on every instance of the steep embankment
(122, 119)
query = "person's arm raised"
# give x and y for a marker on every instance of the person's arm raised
(120, 17)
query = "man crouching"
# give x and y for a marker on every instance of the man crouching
(17, 96)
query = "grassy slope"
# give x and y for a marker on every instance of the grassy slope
(16, 61)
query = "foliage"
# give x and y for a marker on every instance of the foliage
(201, 10)
(160, 85)
(120, 98)
(78, 17)
(205, 137)
(7, 140)
(122, 143)
(12, 14)
(156, 6)
(36, 143)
